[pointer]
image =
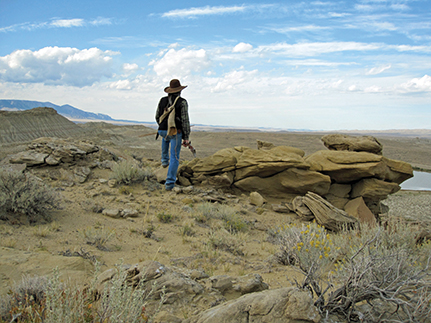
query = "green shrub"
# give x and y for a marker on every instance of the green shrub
(26, 194)
(186, 230)
(165, 217)
(234, 223)
(129, 172)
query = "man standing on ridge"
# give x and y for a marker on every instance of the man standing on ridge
(172, 116)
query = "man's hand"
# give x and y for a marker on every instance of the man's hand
(186, 143)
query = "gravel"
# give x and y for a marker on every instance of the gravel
(411, 205)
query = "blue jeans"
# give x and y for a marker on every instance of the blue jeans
(173, 159)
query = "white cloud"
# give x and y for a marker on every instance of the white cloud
(316, 62)
(306, 28)
(373, 89)
(101, 21)
(67, 23)
(121, 85)
(181, 62)
(233, 79)
(57, 23)
(408, 48)
(130, 68)
(378, 70)
(202, 11)
(400, 7)
(242, 48)
(316, 48)
(422, 84)
(56, 65)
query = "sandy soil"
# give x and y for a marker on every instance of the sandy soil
(36, 249)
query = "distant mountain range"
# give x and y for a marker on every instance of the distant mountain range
(80, 116)
(65, 110)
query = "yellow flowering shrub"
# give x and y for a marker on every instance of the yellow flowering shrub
(310, 248)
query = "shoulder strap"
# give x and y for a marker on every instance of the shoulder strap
(168, 111)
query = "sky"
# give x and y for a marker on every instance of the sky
(316, 65)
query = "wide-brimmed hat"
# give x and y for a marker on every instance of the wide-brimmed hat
(175, 86)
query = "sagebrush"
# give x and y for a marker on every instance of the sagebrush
(47, 300)
(26, 194)
(372, 275)
(128, 172)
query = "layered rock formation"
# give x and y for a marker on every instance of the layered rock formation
(46, 151)
(353, 168)
(22, 126)
(251, 300)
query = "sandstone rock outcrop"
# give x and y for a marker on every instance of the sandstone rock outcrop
(326, 214)
(358, 209)
(54, 151)
(352, 168)
(82, 155)
(350, 143)
(182, 286)
(282, 305)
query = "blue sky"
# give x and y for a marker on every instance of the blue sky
(319, 65)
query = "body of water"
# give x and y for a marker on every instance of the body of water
(421, 181)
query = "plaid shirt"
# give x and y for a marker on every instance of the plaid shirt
(185, 122)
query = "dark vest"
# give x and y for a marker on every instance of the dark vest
(164, 104)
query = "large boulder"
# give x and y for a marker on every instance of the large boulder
(28, 157)
(291, 181)
(373, 189)
(231, 286)
(264, 163)
(397, 171)
(360, 210)
(222, 161)
(338, 194)
(282, 305)
(326, 214)
(347, 166)
(351, 143)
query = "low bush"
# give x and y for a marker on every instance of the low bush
(232, 221)
(222, 240)
(48, 300)
(205, 211)
(372, 275)
(128, 172)
(98, 237)
(165, 217)
(26, 194)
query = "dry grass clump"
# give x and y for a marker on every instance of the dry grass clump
(98, 237)
(26, 194)
(232, 221)
(372, 275)
(225, 241)
(47, 300)
(128, 172)
(205, 211)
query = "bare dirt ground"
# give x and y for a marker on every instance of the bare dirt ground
(36, 249)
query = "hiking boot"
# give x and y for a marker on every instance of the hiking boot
(169, 188)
